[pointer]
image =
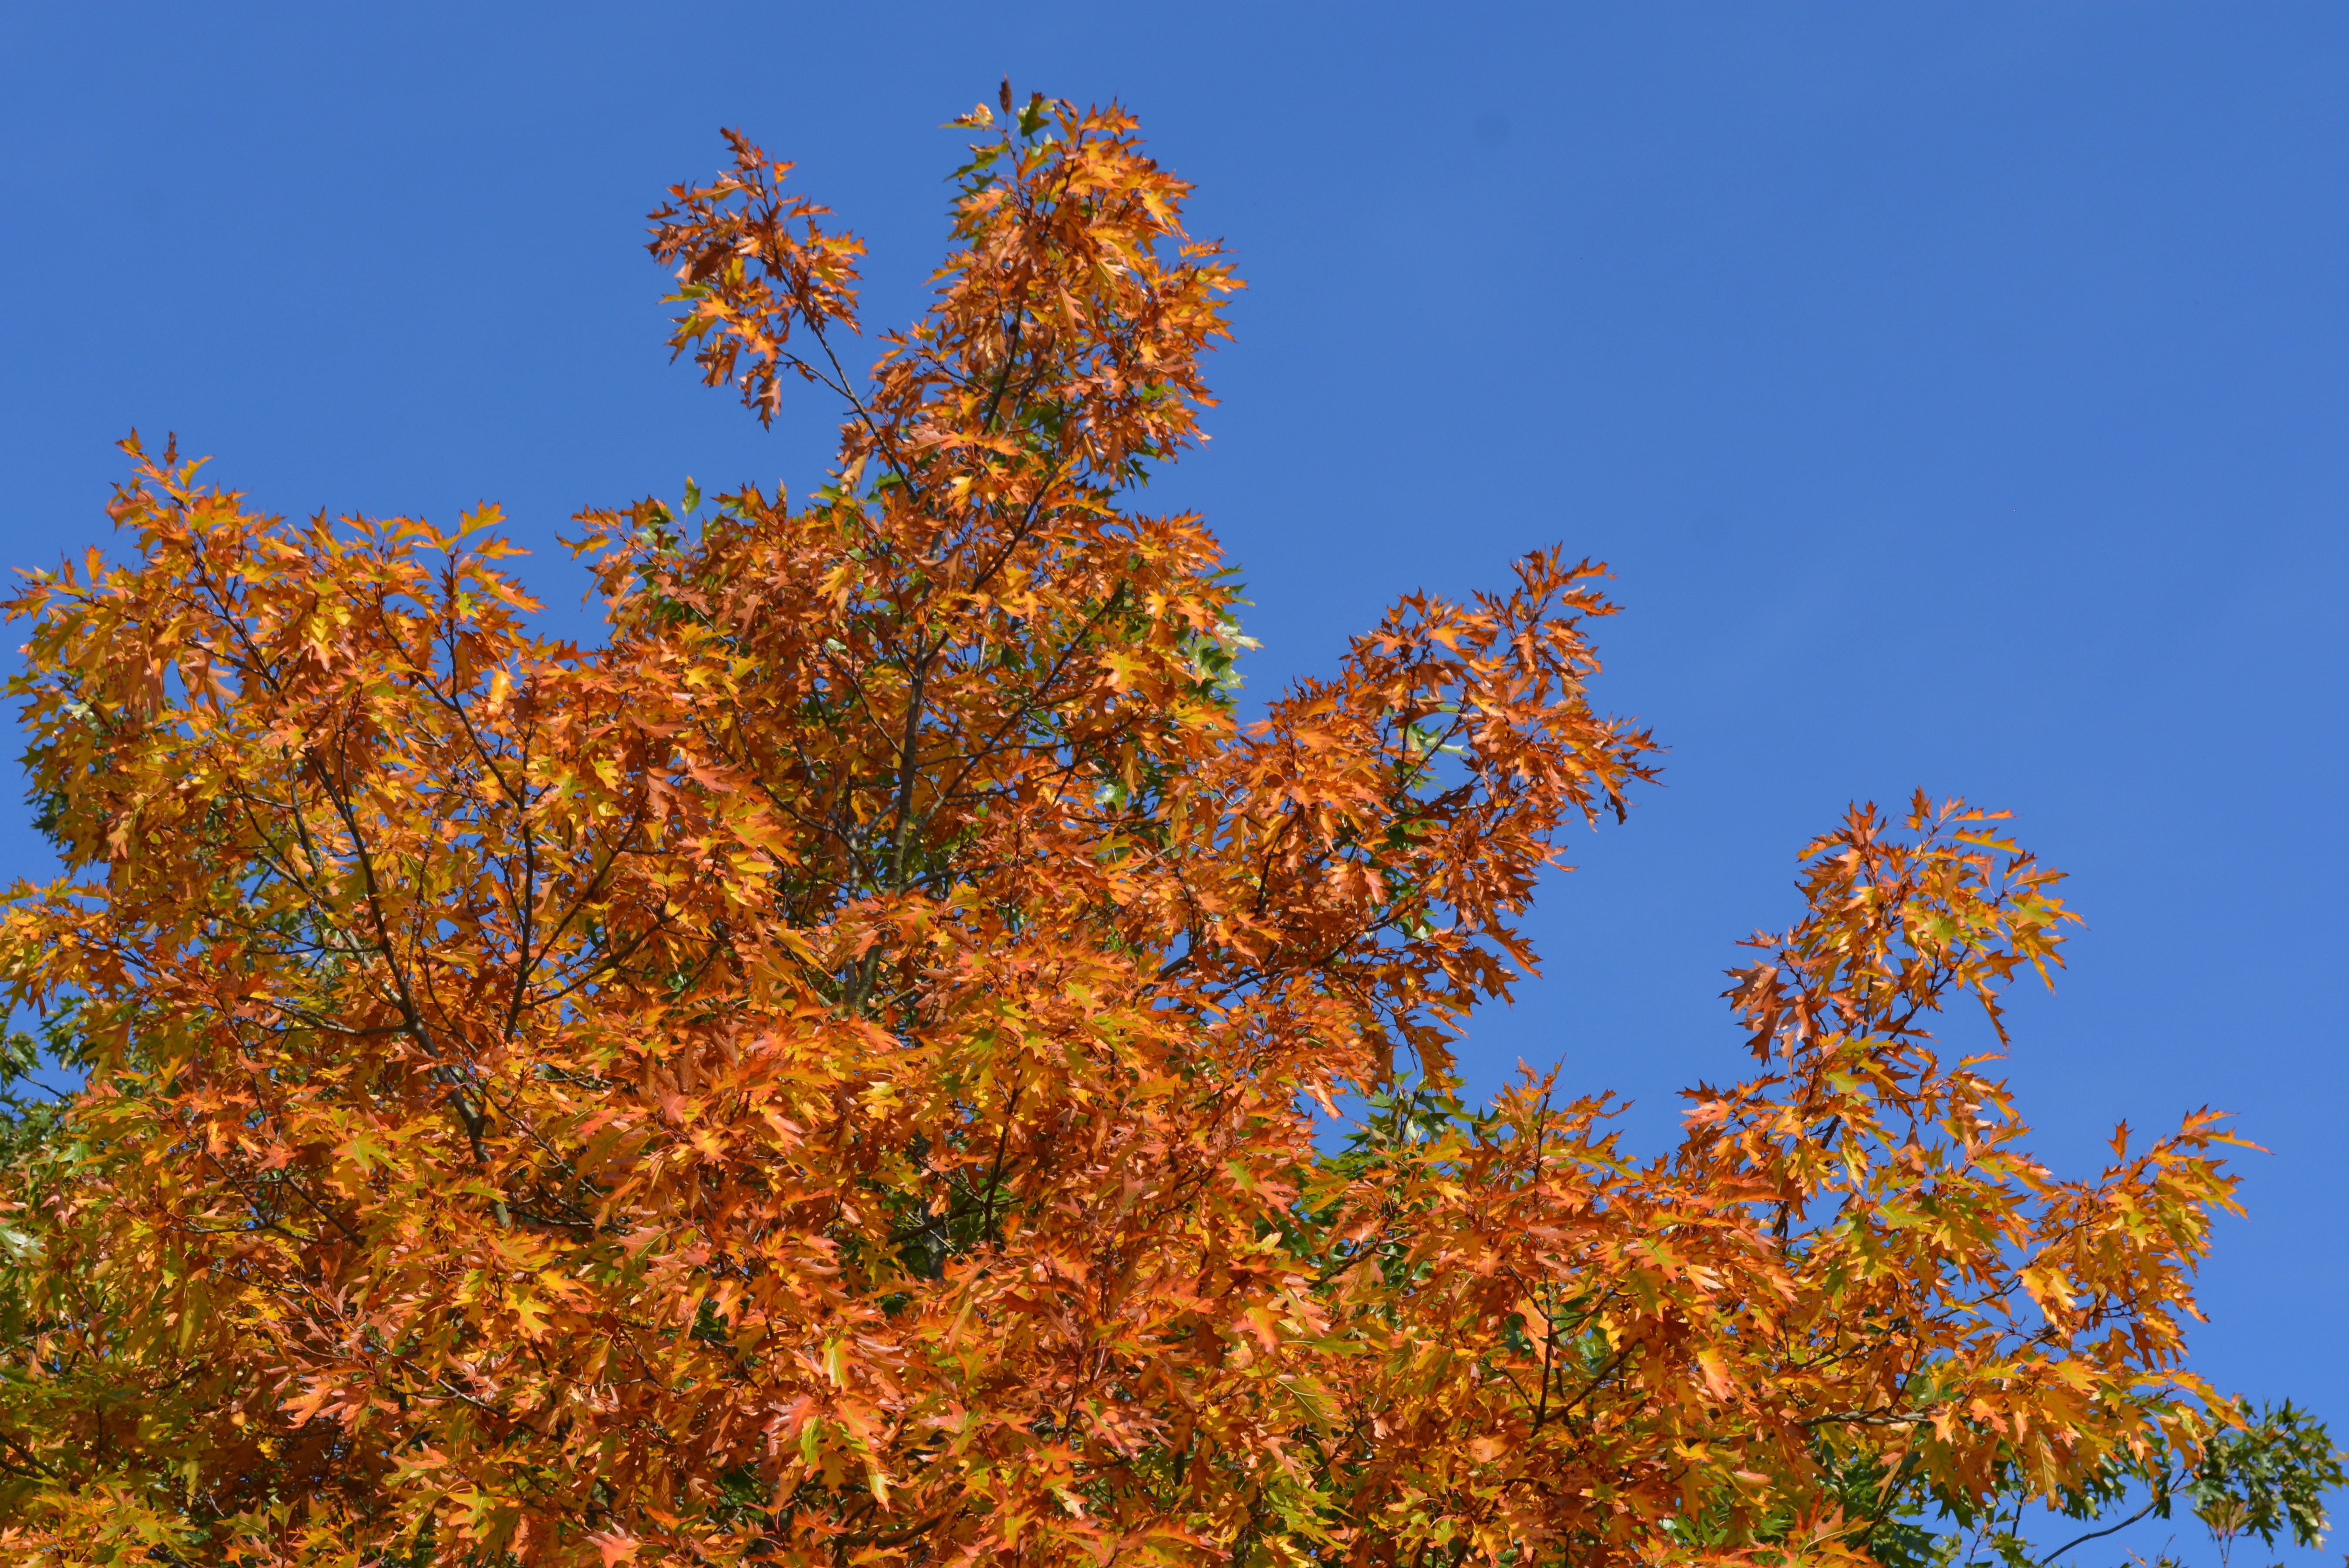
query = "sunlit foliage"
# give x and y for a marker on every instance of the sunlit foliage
(838, 1072)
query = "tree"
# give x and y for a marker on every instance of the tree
(837, 1072)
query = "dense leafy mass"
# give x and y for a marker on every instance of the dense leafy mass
(837, 1072)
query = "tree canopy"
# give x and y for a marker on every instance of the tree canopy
(842, 1070)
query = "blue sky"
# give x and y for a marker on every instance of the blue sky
(1958, 393)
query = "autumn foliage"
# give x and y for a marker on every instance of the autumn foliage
(839, 1073)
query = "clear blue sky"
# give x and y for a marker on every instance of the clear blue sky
(1956, 391)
